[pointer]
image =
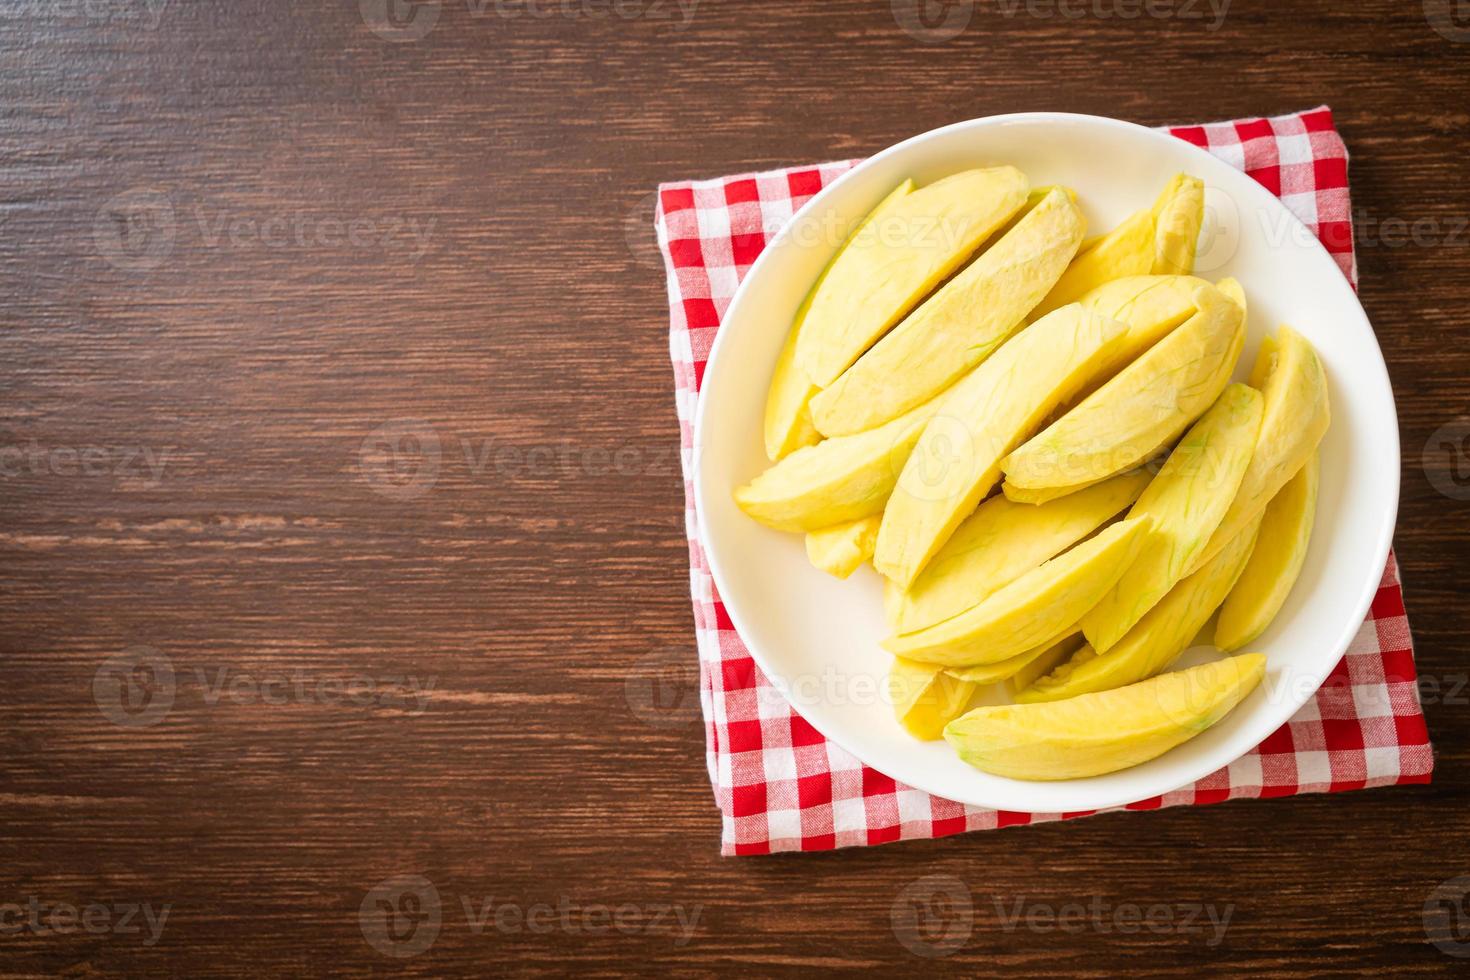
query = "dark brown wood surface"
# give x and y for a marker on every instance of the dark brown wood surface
(246, 245)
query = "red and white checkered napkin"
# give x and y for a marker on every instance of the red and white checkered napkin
(780, 784)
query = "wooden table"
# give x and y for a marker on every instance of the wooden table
(247, 245)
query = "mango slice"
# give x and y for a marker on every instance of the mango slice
(839, 551)
(1037, 195)
(836, 481)
(1286, 533)
(884, 274)
(925, 698)
(1181, 215)
(1144, 408)
(1187, 501)
(1297, 417)
(788, 423)
(1157, 640)
(1035, 610)
(1063, 651)
(1151, 306)
(1046, 495)
(1156, 240)
(960, 326)
(985, 674)
(1266, 359)
(983, 417)
(1001, 542)
(1101, 733)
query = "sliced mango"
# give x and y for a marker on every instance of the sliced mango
(1001, 542)
(1046, 495)
(985, 674)
(1265, 363)
(1297, 417)
(1151, 241)
(1186, 501)
(836, 481)
(1235, 292)
(1101, 733)
(1286, 533)
(983, 417)
(960, 326)
(1069, 650)
(1037, 195)
(1181, 215)
(1157, 640)
(1144, 408)
(925, 698)
(1151, 306)
(886, 272)
(1063, 651)
(839, 551)
(1127, 250)
(788, 423)
(1035, 610)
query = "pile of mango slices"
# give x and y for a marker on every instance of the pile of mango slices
(1034, 438)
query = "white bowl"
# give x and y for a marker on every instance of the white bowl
(818, 638)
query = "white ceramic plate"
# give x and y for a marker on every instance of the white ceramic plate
(817, 638)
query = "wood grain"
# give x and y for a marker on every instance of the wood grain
(256, 243)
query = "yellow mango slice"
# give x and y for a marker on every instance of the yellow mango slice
(788, 422)
(1152, 307)
(1286, 533)
(1001, 542)
(1046, 495)
(1181, 215)
(1150, 241)
(986, 674)
(1144, 408)
(1297, 417)
(839, 551)
(1035, 610)
(836, 481)
(925, 698)
(1127, 250)
(885, 273)
(960, 326)
(1037, 195)
(1101, 733)
(1063, 651)
(1151, 316)
(1265, 363)
(1157, 640)
(892, 603)
(983, 417)
(1186, 501)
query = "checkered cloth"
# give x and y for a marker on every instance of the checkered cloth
(783, 787)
